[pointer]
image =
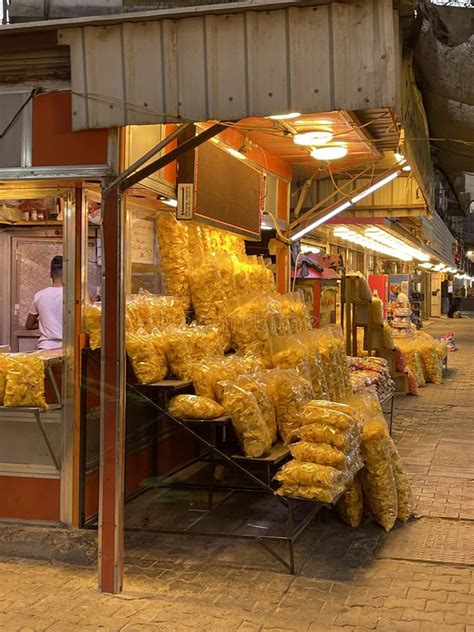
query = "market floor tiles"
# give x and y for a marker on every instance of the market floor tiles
(418, 578)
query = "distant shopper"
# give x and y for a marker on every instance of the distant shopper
(402, 298)
(46, 312)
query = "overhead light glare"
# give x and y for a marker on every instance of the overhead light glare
(284, 117)
(427, 266)
(169, 202)
(330, 152)
(317, 137)
(235, 153)
(406, 168)
(320, 221)
(374, 187)
(400, 158)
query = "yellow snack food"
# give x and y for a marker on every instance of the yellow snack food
(317, 493)
(3, 376)
(93, 315)
(404, 493)
(377, 310)
(317, 433)
(260, 391)
(350, 506)
(322, 453)
(247, 420)
(388, 341)
(431, 364)
(173, 244)
(304, 473)
(250, 329)
(338, 406)
(148, 357)
(207, 374)
(194, 407)
(24, 384)
(378, 481)
(289, 392)
(442, 349)
(313, 413)
(186, 346)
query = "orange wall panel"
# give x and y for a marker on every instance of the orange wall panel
(30, 498)
(54, 142)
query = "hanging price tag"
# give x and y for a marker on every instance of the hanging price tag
(185, 206)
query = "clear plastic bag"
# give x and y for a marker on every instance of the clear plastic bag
(289, 392)
(210, 372)
(378, 480)
(377, 310)
(337, 406)
(388, 341)
(247, 420)
(316, 493)
(24, 382)
(350, 506)
(93, 320)
(147, 353)
(313, 413)
(187, 346)
(404, 493)
(322, 453)
(194, 407)
(261, 392)
(317, 433)
(305, 473)
(3, 376)
(173, 244)
(290, 353)
(318, 378)
(250, 328)
(430, 361)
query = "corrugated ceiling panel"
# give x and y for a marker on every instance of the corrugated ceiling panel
(309, 59)
(440, 238)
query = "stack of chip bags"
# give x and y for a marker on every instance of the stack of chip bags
(261, 391)
(432, 368)
(24, 381)
(163, 311)
(173, 244)
(194, 407)
(341, 360)
(318, 379)
(93, 320)
(289, 392)
(247, 420)
(289, 352)
(250, 327)
(147, 353)
(207, 374)
(327, 455)
(187, 346)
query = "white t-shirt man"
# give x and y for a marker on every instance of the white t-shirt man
(48, 307)
(402, 299)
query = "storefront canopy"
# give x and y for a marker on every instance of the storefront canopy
(230, 64)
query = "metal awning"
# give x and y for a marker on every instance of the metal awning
(230, 62)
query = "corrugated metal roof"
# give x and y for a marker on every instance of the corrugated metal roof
(235, 65)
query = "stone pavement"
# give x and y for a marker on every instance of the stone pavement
(417, 578)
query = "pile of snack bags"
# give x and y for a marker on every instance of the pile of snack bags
(371, 371)
(423, 355)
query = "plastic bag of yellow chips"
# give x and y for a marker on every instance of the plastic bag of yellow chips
(305, 473)
(322, 453)
(289, 392)
(173, 244)
(377, 310)
(24, 384)
(247, 420)
(442, 349)
(312, 413)
(148, 357)
(430, 361)
(378, 481)
(186, 346)
(350, 506)
(194, 407)
(207, 374)
(93, 325)
(290, 353)
(325, 495)
(260, 390)
(317, 433)
(3, 375)
(404, 493)
(388, 341)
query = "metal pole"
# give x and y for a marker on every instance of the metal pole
(112, 413)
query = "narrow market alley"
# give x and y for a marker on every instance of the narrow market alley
(418, 578)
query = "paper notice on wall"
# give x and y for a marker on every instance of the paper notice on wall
(142, 238)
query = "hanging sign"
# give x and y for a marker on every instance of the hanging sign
(185, 206)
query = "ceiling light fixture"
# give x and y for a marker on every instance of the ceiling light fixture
(400, 158)
(427, 266)
(330, 152)
(317, 137)
(284, 117)
(344, 206)
(169, 202)
(406, 168)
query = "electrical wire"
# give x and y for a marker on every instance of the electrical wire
(17, 114)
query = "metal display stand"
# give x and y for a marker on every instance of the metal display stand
(391, 399)
(215, 455)
(36, 411)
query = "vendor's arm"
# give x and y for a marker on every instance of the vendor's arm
(32, 321)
